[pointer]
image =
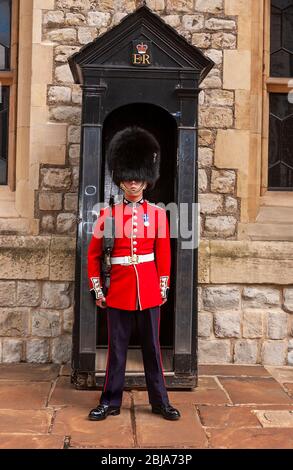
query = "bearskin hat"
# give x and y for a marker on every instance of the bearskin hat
(134, 154)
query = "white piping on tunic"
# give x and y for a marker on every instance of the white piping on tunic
(137, 286)
(133, 206)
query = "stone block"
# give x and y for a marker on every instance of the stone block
(222, 225)
(48, 224)
(55, 178)
(205, 157)
(258, 262)
(63, 52)
(261, 297)
(204, 262)
(214, 351)
(63, 35)
(231, 204)
(46, 323)
(274, 352)
(70, 201)
(202, 181)
(7, 293)
(223, 181)
(176, 5)
(59, 94)
(172, 20)
(210, 203)
(53, 18)
(240, 63)
(201, 40)
(14, 321)
(68, 317)
(227, 324)
(50, 201)
(221, 298)
(215, 116)
(288, 299)
(205, 324)
(253, 324)
(37, 350)
(74, 134)
(70, 114)
(62, 259)
(61, 349)
(66, 223)
(223, 40)
(28, 293)
(56, 295)
(99, 19)
(12, 350)
(209, 6)
(193, 23)
(219, 97)
(245, 352)
(220, 24)
(277, 324)
(24, 257)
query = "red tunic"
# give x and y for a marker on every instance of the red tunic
(141, 228)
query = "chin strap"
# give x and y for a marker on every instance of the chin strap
(136, 193)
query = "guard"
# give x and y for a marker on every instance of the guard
(140, 271)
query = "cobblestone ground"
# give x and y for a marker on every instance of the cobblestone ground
(234, 407)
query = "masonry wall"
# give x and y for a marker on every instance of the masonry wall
(246, 299)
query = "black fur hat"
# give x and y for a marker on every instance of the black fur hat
(134, 154)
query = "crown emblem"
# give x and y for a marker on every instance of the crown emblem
(142, 48)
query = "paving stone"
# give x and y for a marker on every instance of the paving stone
(25, 421)
(64, 393)
(65, 369)
(29, 372)
(38, 441)
(23, 395)
(281, 374)
(233, 370)
(254, 390)
(275, 418)
(115, 431)
(227, 416)
(289, 388)
(155, 431)
(253, 438)
(208, 392)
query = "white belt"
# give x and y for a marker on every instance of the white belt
(135, 259)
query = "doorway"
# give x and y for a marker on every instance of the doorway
(164, 127)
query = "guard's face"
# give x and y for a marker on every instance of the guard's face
(133, 185)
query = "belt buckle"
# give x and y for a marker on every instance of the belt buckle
(133, 259)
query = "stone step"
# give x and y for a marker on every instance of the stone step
(266, 232)
(277, 214)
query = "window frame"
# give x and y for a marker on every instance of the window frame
(271, 85)
(9, 78)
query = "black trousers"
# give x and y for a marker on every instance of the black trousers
(120, 323)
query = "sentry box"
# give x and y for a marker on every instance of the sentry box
(140, 72)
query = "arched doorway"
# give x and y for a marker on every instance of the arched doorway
(160, 123)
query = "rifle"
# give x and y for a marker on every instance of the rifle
(108, 243)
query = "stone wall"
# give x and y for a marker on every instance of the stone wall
(245, 296)
(36, 298)
(73, 24)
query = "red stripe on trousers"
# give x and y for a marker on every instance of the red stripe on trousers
(108, 355)
(160, 346)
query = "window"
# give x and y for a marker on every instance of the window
(280, 168)
(8, 58)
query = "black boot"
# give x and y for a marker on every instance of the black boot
(102, 411)
(167, 411)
